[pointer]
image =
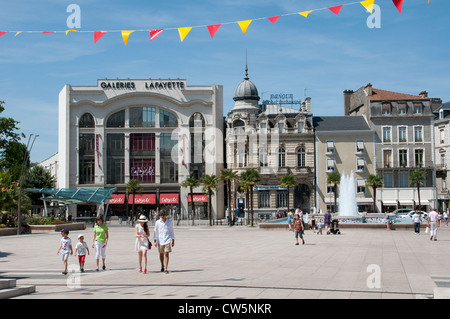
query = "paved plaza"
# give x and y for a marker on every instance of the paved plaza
(239, 262)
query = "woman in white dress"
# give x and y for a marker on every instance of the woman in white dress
(142, 242)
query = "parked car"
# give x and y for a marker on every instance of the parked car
(403, 212)
(422, 214)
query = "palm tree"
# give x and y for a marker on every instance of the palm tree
(374, 181)
(417, 178)
(209, 186)
(334, 179)
(192, 183)
(288, 181)
(251, 178)
(228, 176)
(133, 187)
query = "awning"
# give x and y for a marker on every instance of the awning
(389, 202)
(199, 198)
(168, 198)
(117, 199)
(92, 195)
(145, 199)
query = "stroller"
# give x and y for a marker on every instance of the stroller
(334, 227)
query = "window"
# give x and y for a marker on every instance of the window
(167, 119)
(360, 164)
(86, 121)
(264, 199)
(417, 108)
(386, 108)
(281, 157)
(403, 180)
(442, 160)
(116, 120)
(330, 147)
(142, 116)
(387, 158)
(359, 147)
(197, 145)
(401, 108)
(388, 180)
(263, 128)
(402, 134)
(168, 157)
(282, 197)
(242, 158)
(418, 133)
(403, 158)
(115, 158)
(418, 157)
(360, 186)
(330, 165)
(301, 157)
(86, 159)
(263, 159)
(330, 189)
(300, 126)
(386, 134)
(442, 135)
(142, 157)
(238, 127)
(280, 128)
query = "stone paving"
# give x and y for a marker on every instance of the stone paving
(240, 262)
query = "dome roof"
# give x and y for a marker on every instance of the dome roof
(246, 90)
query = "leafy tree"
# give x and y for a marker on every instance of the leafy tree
(334, 179)
(417, 178)
(288, 181)
(38, 177)
(209, 186)
(374, 181)
(228, 176)
(8, 129)
(133, 187)
(251, 178)
(192, 183)
(12, 159)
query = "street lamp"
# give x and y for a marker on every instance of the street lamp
(25, 158)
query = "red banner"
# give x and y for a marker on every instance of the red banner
(117, 199)
(145, 199)
(168, 198)
(199, 198)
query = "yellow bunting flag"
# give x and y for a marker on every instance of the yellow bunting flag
(184, 32)
(305, 13)
(71, 30)
(244, 25)
(125, 35)
(368, 4)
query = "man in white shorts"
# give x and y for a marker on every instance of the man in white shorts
(433, 223)
(164, 238)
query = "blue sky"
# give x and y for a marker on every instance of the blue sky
(324, 53)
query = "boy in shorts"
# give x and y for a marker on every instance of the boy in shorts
(65, 248)
(81, 248)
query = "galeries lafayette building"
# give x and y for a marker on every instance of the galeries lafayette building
(159, 132)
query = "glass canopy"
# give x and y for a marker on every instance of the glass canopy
(93, 195)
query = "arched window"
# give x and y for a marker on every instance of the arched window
(281, 157)
(142, 116)
(301, 157)
(238, 127)
(86, 121)
(167, 119)
(116, 119)
(196, 126)
(197, 120)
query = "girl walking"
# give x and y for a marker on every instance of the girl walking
(142, 241)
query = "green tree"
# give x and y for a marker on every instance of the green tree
(38, 177)
(374, 181)
(251, 178)
(288, 181)
(334, 179)
(8, 129)
(133, 187)
(209, 186)
(191, 183)
(417, 178)
(228, 176)
(12, 158)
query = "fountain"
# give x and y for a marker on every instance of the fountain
(347, 196)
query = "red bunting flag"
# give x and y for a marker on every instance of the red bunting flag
(398, 4)
(274, 19)
(213, 29)
(45, 32)
(98, 35)
(336, 9)
(3, 32)
(155, 33)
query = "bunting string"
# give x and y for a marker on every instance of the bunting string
(213, 28)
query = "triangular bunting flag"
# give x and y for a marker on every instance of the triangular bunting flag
(368, 4)
(125, 35)
(45, 32)
(71, 30)
(213, 29)
(98, 35)
(19, 32)
(244, 25)
(3, 32)
(305, 13)
(398, 4)
(335, 9)
(155, 33)
(274, 19)
(184, 32)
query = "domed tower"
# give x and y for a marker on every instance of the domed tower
(246, 96)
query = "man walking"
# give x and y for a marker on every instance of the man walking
(433, 223)
(164, 238)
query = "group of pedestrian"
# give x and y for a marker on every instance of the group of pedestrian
(297, 224)
(433, 220)
(163, 237)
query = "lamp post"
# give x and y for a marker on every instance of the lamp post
(25, 158)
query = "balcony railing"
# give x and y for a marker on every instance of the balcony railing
(400, 165)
